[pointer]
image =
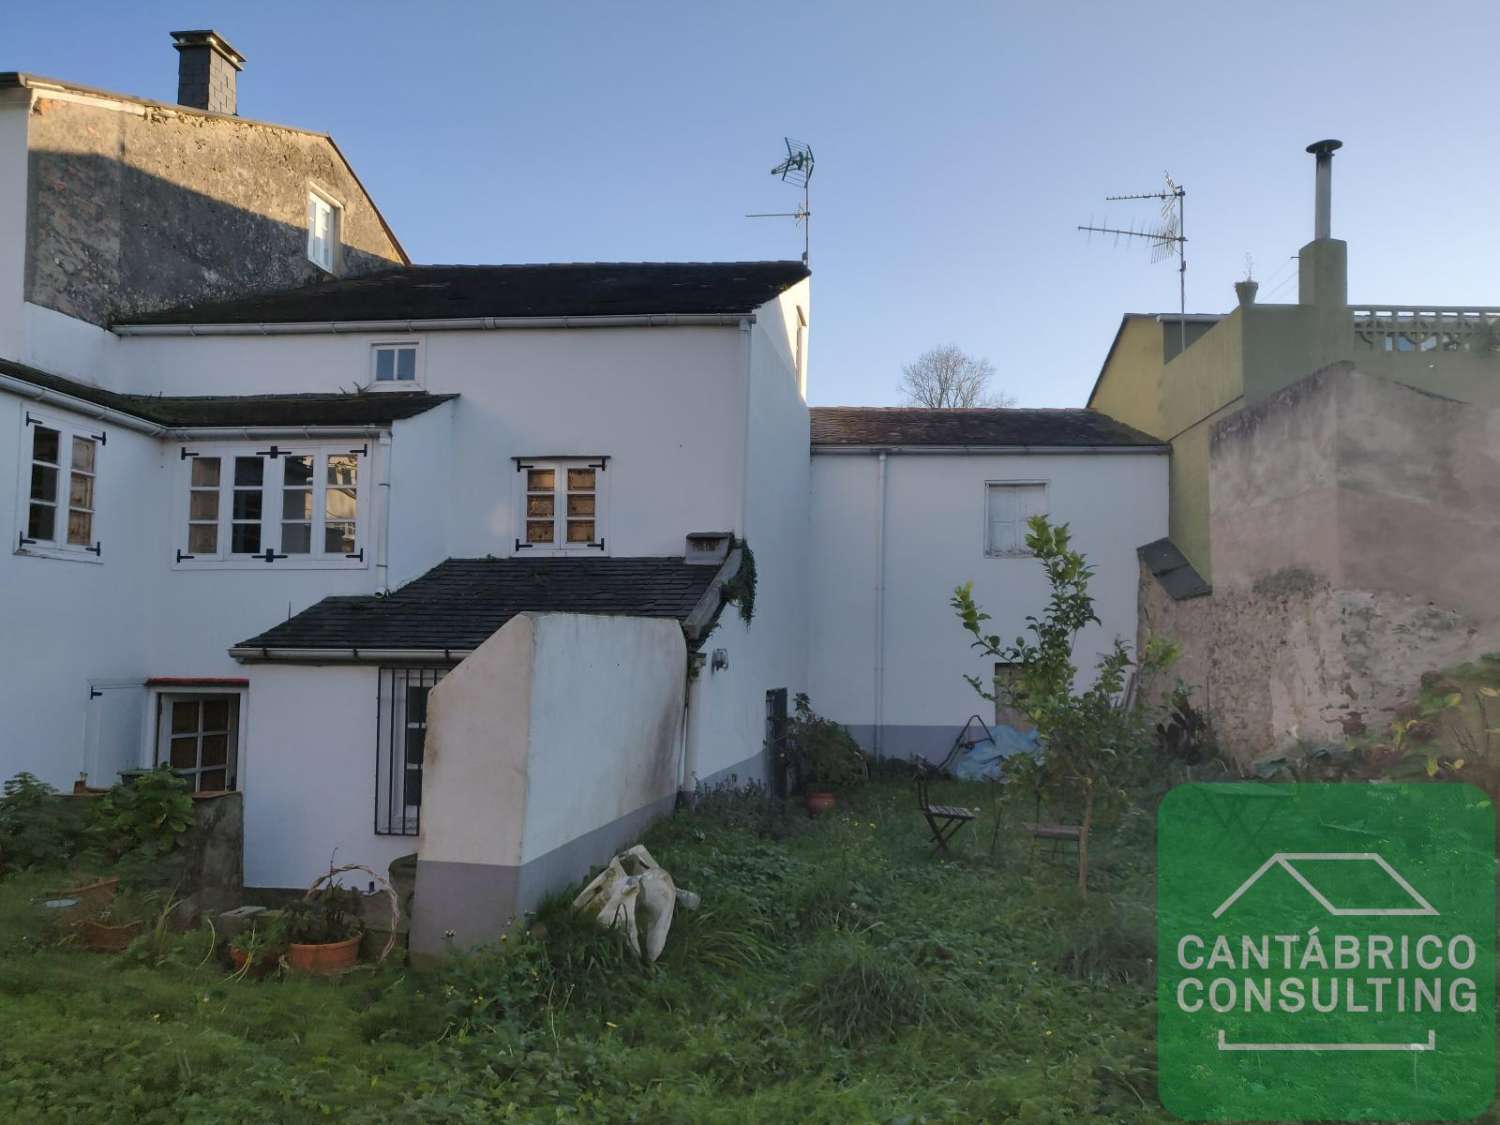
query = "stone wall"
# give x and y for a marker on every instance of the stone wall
(1354, 523)
(138, 207)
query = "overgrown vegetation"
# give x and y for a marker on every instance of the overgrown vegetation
(821, 753)
(836, 973)
(137, 823)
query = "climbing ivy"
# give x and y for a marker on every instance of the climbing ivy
(741, 588)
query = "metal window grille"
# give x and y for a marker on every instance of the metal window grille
(401, 731)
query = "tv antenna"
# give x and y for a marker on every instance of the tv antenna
(1165, 238)
(796, 169)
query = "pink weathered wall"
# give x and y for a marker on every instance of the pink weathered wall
(1356, 539)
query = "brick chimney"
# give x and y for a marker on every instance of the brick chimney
(207, 70)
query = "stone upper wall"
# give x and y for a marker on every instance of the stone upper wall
(137, 207)
(1356, 528)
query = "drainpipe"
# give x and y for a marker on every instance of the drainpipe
(383, 555)
(685, 782)
(880, 471)
(744, 522)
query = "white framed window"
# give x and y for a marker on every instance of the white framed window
(1007, 507)
(60, 462)
(322, 230)
(197, 734)
(561, 504)
(395, 366)
(248, 505)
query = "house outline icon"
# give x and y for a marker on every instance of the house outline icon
(1284, 860)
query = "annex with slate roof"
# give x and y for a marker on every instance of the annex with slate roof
(459, 603)
(988, 428)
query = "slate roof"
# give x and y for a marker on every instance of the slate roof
(1169, 566)
(564, 289)
(917, 426)
(188, 411)
(459, 603)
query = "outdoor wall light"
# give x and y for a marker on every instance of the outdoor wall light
(720, 660)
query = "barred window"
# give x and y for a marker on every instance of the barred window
(400, 738)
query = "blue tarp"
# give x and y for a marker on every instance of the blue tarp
(981, 761)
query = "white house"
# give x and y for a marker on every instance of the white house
(256, 521)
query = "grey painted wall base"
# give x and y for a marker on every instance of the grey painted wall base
(905, 742)
(757, 767)
(461, 905)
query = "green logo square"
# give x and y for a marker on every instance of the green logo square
(1326, 952)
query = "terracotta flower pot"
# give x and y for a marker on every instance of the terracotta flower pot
(104, 938)
(818, 801)
(334, 957)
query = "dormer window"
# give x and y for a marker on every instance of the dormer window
(393, 365)
(322, 230)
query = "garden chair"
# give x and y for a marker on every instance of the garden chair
(1059, 834)
(943, 820)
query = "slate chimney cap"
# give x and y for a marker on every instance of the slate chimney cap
(207, 37)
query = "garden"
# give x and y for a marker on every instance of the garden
(839, 967)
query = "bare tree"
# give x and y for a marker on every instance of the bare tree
(948, 377)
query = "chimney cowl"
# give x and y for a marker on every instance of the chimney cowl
(207, 71)
(1323, 152)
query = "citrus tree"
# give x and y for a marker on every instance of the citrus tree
(1091, 738)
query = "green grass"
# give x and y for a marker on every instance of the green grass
(835, 974)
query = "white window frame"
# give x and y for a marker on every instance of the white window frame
(58, 546)
(989, 490)
(418, 378)
(324, 253)
(559, 545)
(272, 489)
(157, 739)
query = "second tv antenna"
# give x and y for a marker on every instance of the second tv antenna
(1166, 239)
(796, 169)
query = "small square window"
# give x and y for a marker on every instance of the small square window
(394, 363)
(1007, 508)
(561, 506)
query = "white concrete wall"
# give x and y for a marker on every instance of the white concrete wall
(606, 707)
(474, 760)
(67, 622)
(664, 404)
(935, 541)
(14, 107)
(726, 713)
(422, 488)
(307, 768)
(65, 345)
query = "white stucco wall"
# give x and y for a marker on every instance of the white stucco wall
(606, 708)
(727, 709)
(663, 404)
(68, 622)
(474, 759)
(14, 105)
(935, 541)
(307, 768)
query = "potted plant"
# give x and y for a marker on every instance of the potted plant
(825, 755)
(322, 930)
(256, 950)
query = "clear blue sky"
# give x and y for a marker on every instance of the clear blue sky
(958, 146)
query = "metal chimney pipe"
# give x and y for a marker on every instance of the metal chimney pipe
(1323, 208)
